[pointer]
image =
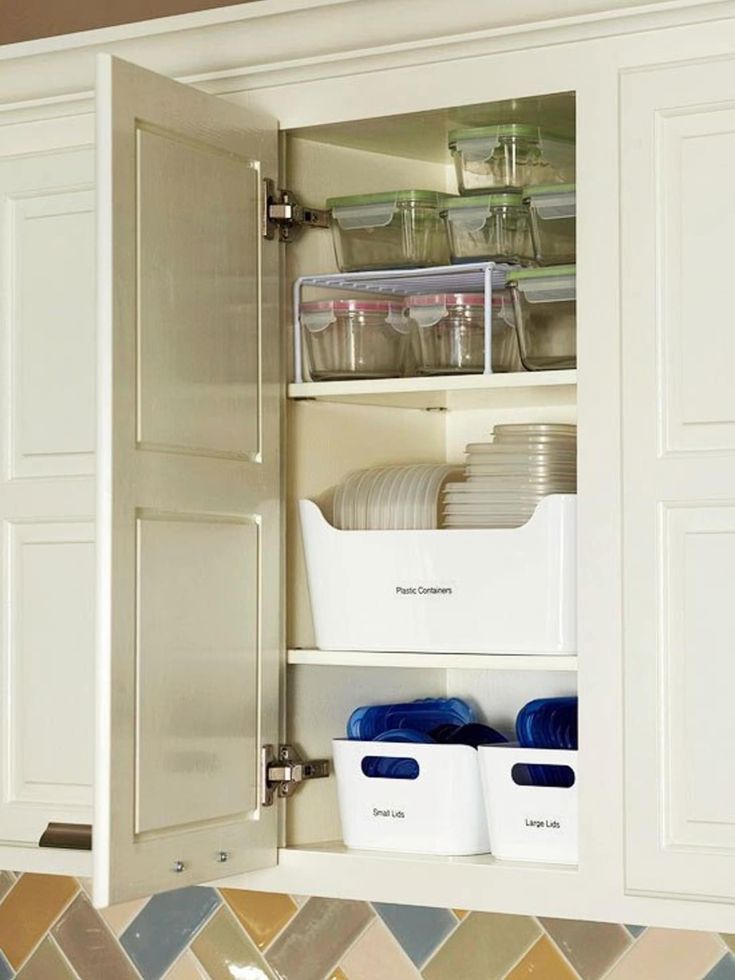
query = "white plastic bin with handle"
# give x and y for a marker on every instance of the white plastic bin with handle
(439, 811)
(529, 823)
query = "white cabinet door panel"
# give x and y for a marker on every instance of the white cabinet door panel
(47, 436)
(190, 612)
(678, 226)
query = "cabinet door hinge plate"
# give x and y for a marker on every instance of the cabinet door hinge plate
(282, 212)
(283, 771)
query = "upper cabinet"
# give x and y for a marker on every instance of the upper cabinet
(189, 511)
(678, 222)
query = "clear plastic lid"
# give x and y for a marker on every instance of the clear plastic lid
(551, 201)
(503, 131)
(550, 285)
(451, 299)
(317, 315)
(377, 210)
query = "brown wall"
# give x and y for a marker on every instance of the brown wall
(21, 20)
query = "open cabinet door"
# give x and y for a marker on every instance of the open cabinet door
(189, 497)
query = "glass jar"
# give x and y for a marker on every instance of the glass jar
(391, 230)
(450, 331)
(545, 306)
(510, 155)
(349, 338)
(489, 227)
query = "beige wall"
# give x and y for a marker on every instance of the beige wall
(21, 20)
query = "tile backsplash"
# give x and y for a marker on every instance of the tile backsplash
(49, 931)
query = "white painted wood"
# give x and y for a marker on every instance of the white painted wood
(459, 392)
(278, 42)
(677, 123)
(448, 661)
(189, 567)
(47, 422)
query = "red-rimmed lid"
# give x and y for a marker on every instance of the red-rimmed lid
(451, 299)
(351, 306)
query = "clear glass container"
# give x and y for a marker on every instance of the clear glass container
(450, 333)
(553, 210)
(510, 156)
(492, 227)
(354, 339)
(393, 230)
(545, 306)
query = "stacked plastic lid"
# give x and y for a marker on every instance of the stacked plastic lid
(508, 477)
(426, 721)
(548, 723)
(392, 497)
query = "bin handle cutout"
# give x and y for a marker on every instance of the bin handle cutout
(548, 775)
(389, 767)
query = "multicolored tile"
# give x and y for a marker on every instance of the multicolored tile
(225, 951)
(635, 931)
(376, 954)
(29, 910)
(7, 880)
(419, 930)
(6, 970)
(338, 974)
(88, 944)
(669, 954)
(46, 963)
(261, 914)
(543, 961)
(317, 938)
(591, 947)
(729, 939)
(164, 928)
(724, 970)
(485, 946)
(187, 967)
(119, 917)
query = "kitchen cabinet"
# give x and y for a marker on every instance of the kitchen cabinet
(189, 500)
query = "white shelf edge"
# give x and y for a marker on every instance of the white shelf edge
(440, 661)
(441, 390)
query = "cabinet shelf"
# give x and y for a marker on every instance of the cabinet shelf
(440, 661)
(446, 392)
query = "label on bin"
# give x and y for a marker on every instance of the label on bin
(390, 813)
(425, 590)
(542, 824)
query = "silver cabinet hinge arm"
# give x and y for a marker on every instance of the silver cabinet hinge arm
(282, 212)
(282, 772)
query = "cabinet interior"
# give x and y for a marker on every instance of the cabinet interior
(329, 439)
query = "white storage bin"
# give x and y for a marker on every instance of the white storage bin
(440, 811)
(447, 591)
(529, 823)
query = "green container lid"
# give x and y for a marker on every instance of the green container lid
(519, 130)
(430, 198)
(514, 199)
(549, 272)
(539, 190)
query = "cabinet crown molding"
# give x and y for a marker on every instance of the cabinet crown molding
(258, 44)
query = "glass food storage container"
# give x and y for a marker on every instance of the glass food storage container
(545, 307)
(553, 209)
(450, 333)
(350, 338)
(510, 155)
(392, 230)
(492, 227)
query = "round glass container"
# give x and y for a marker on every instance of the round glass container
(350, 338)
(450, 329)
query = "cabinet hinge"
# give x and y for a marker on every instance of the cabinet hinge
(283, 772)
(282, 211)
